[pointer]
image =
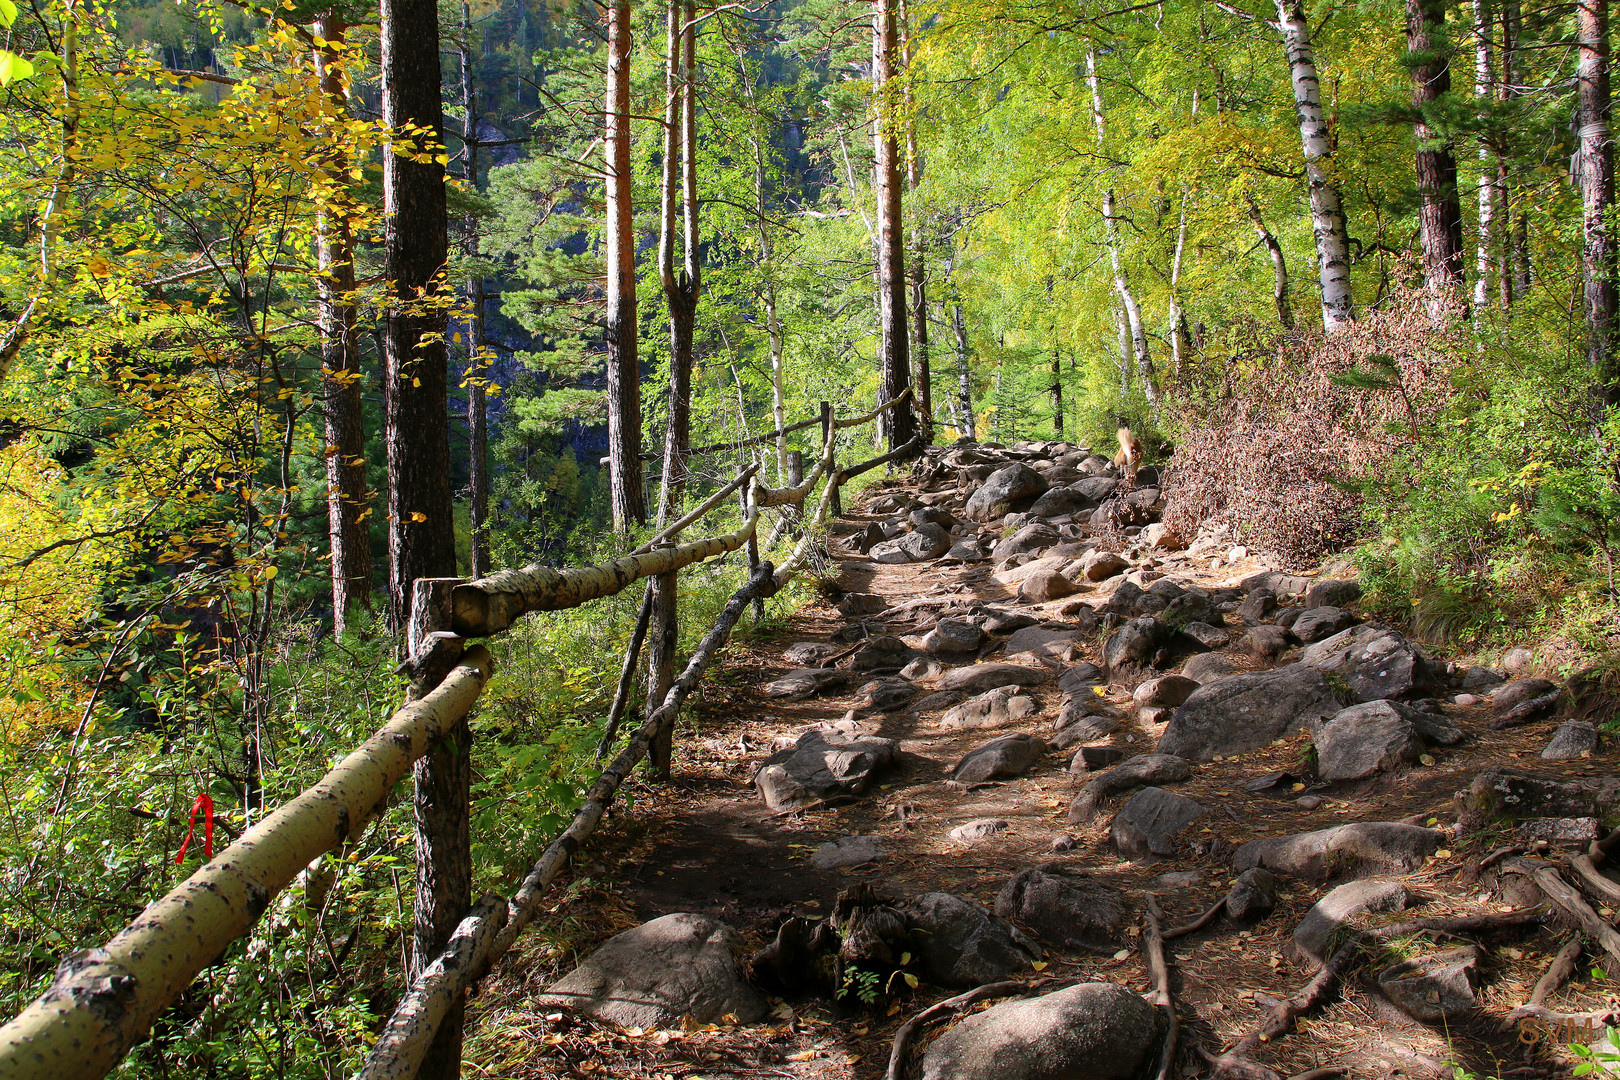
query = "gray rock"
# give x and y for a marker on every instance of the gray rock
(1097, 488)
(885, 694)
(1006, 622)
(926, 541)
(862, 603)
(882, 652)
(1244, 712)
(1150, 822)
(961, 944)
(1101, 565)
(1518, 661)
(1035, 536)
(923, 669)
(999, 759)
(847, 851)
(1318, 932)
(1436, 988)
(1097, 758)
(1277, 583)
(1179, 879)
(966, 551)
(1559, 832)
(971, 832)
(1058, 501)
(1267, 642)
(1319, 623)
(1375, 661)
(1042, 641)
(1504, 795)
(1143, 769)
(1520, 691)
(803, 654)
(1480, 678)
(953, 637)
(1080, 678)
(822, 768)
(1094, 1031)
(1574, 739)
(681, 965)
(991, 709)
(989, 676)
(1207, 667)
(1011, 487)
(1207, 635)
(1137, 642)
(1252, 897)
(806, 683)
(942, 699)
(1360, 849)
(1064, 906)
(1045, 585)
(1365, 740)
(1332, 593)
(1166, 690)
(1434, 728)
(1257, 607)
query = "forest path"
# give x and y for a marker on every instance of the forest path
(708, 844)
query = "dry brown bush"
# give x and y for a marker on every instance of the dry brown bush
(1276, 447)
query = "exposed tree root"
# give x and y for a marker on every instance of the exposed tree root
(1159, 969)
(952, 1007)
(1199, 923)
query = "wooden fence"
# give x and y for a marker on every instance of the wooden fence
(104, 1000)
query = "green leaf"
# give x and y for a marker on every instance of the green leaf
(12, 66)
(8, 12)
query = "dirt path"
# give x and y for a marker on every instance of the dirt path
(707, 844)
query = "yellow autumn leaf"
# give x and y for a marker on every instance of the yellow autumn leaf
(418, 516)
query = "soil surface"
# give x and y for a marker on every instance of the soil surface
(706, 843)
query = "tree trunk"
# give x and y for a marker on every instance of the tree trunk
(341, 372)
(773, 325)
(964, 373)
(1327, 211)
(619, 255)
(1439, 209)
(1057, 395)
(1597, 196)
(894, 358)
(921, 375)
(1122, 281)
(1279, 264)
(477, 364)
(1490, 193)
(421, 534)
(1516, 231)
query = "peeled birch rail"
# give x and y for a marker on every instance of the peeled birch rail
(737, 444)
(866, 418)
(488, 606)
(104, 1000)
(485, 936)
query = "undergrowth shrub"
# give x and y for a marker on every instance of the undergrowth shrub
(1281, 440)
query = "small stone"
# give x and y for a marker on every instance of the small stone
(1151, 821)
(999, 759)
(1560, 832)
(1210, 637)
(1573, 740)
(847, 851)
(1179, 879)
(1466, 700)
(953, 637)
(1518, 661)
(1167, 690)
(1252, 897)
(978, 829)
(1308, 802)
(1062, 842)
(922, 669)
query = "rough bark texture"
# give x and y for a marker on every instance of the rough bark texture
(104, 1000)
(1597, 196)
(894, 358)
(1057, 395)
(1490, 160)
(1327, 212)
(421, 536)
(922, 377)
(477, 405)
(623, 375)
(964, 372)
(341, 373)
(1439, 209)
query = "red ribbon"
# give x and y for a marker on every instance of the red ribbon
(206, 805)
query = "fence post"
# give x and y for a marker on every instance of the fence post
(828, 435)
(443, 838)
(795, 468)
(744, 493)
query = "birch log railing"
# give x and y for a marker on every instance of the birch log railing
(104, 1000)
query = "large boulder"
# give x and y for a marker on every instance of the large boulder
(1331, 592)
(1045, 585)
(1011, 487)
(1318, 932)
(885, 694)
(961, 944)
(1058, 501)
(991, 709)
(999, 759)
(1239, 713)
(1365, 740)
(654, 976)
(1437, 988)
(1094, 1031)
(1137, 642)
(806, 683)
(823, 768)
(989, 676)
(884, 652)
(1320, 623)
(1374, 661)
(1036, 536)
(1505, 795)
(1150, 822)
(1360, 849)
(926, 541)
(1065, 906)
(953, 637)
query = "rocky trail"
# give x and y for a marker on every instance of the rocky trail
(1032, 738)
